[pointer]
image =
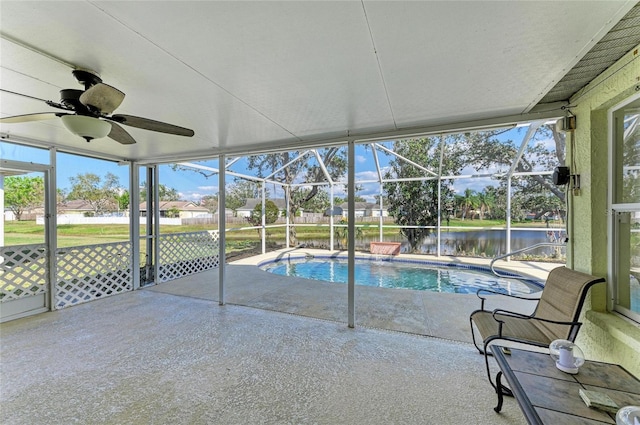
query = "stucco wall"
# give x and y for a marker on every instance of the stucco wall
(604, 336)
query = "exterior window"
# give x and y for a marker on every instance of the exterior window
(625, 209)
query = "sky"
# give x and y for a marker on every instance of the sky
(193, 186)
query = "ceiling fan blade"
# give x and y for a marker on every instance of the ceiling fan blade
(152, 125)
(102, 97)
(24, 95)
(48, 102)
(120, 135)
(30, 117)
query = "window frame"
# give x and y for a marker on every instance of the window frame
(613, 209)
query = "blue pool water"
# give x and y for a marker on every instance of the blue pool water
(421, 276)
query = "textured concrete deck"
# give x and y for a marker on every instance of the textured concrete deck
(441, 315)
(172, 355)
(147, 357)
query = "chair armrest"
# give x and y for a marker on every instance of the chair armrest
(490, 291)
(499, 312)
(508, 313)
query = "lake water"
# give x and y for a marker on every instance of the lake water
(489, 243)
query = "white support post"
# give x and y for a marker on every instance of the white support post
(222, 223)
(331, 220)
(408, 161)
(297, 158)
(134, 221)
(148, 228)
(51, 220)
(379, 171)
(533, 127)
(351, 281)
(156, 224)
(264, 218)
(508, 242)
(381, 218)
(439, 230)
(287, 195)
(323, 167)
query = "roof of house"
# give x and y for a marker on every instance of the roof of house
(362, 206)
(82, 205)
(252, 202)
(77, 205)
(179, 205)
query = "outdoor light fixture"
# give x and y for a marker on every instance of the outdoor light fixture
(629, 415)
(561, 176)
(568, 356)
(88, 128)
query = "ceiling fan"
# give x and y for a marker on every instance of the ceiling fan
(90, 112)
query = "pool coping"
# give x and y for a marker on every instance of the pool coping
(533, 271)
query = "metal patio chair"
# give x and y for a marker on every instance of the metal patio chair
(555, 316)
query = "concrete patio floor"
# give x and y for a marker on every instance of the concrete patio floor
(170, 354)
(442, 315)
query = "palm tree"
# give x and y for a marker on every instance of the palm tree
(491, 199)
(482, 205)
(458, 201)
(486, 201)
(469, 202)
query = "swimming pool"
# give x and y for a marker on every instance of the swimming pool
(404, 274)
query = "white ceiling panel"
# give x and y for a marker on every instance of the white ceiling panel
(495, 58)
(253, 76)
(315, 55)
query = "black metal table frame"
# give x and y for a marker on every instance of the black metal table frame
(516, 389)
(538, 402)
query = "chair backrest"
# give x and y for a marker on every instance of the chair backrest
(562, 298)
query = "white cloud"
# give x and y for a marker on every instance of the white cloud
(549, 144)
(369, 191)
(367, 175)
(192, 196)
(197, 193)
(477, 184)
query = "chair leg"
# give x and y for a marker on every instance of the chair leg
(473, 337)
(486, 362)
(498, 387)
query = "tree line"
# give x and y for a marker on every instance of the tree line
(101, 194)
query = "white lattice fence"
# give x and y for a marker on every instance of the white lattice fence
(23, 271)
(89, 272)
(183, 254)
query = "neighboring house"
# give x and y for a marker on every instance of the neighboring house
(29, 214)
(184, 209)
(364, 209)
(77, 206)
(247, 208)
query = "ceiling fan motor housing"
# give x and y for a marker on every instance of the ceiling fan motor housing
(71, 98)
(86, 77)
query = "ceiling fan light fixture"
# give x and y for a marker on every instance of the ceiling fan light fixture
(88, 128)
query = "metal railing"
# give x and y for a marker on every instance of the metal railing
(519, 251)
